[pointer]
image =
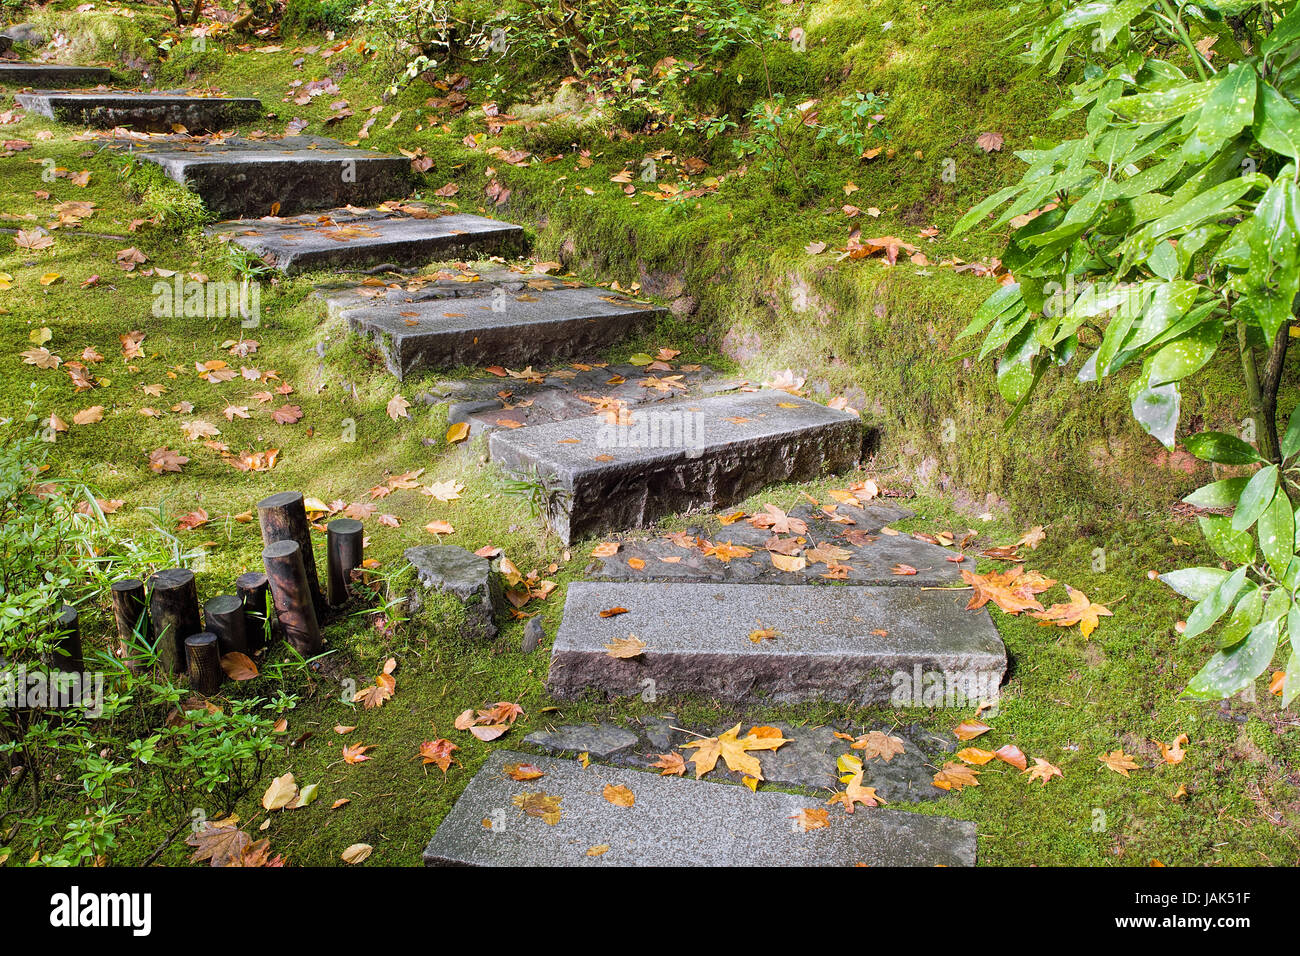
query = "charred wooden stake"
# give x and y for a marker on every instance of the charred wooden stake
(252, 589)
(66, 655)
(345, 538)
(173, 615)
(203, 652)
(131, 614)
(291, 593)
(224, 617)
(283, 517)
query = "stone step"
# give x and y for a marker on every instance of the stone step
(602, 475)
(856, 645)
(504, 319)
(345, 240)
(862, 552)
(146, 112)
(249, 178)
(808, 759)
(675, 821)
(52, 75)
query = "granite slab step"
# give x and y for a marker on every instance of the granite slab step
(615, 470)
(675, 821)
(146, 112)
(239, 178)
(861, 556)
(503, 322)
(344, 240)
(52, 75)
(856, 645)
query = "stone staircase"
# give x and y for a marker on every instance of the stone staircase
(613, 448)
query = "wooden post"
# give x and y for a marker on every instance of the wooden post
(252, 589)
(345, 540)
(283, 517)
(173, 615)
(66, 655)
(224, 617)
(291, 593)
(203, 654)
(131, 614)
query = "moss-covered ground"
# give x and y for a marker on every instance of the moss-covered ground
(881, 335)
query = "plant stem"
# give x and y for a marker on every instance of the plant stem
(1186, 40)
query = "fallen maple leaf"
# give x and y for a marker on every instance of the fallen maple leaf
(1013, 590)
(1119, 761)
(626, 647)
(1080, 610)
(734, 750)
(878, 744)
(355, 753)
(954, 776)
(619, 795)
(543, 805)
(670, 765)
(1042, 771)
(439, 752)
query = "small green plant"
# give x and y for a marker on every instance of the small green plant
(541, 494)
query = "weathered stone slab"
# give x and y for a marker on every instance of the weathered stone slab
(847, 644)
(27, 34)
(871, 557)
(676, 821)
(146, 112)
(52, 75)
(807, 761)
(502, 322)
(467, 577)
(676, 457)
(598, 740)
(247, 178)
(343, 240)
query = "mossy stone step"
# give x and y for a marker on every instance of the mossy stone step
(145, 112)
(674, 821)
(344, 240)
(626, 470)
(248, 178)
(791, 643)
(503, 319)
(52, 75)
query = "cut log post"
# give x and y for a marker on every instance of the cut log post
(252, 588)
(203, 654)
(66, 654)
(345, 541)
(283, 517)
(224, 617)
(131, 614)
(291, 593)
(173, 615)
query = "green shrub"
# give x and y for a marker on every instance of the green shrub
(317, 16)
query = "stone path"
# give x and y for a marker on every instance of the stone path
(615, 471)
(504, 318)
(807, 762)
(746, 643)
(239, 178)
(810, 609)
(349, 240)
(51, 75)
(147, 112)
(674, 821)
